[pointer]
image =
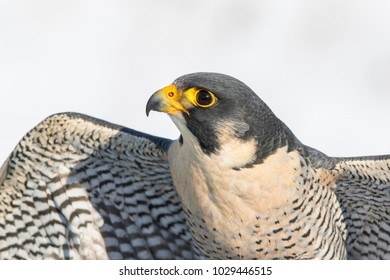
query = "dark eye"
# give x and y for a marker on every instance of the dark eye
(205, 98)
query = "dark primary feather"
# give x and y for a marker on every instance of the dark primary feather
(76, 188)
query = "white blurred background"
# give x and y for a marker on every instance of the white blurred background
(322, 66)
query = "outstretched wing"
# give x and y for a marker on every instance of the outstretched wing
(363, 191)
(80, 188)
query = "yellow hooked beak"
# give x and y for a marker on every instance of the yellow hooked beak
(167, 100)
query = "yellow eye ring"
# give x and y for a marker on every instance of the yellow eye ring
(204, 98)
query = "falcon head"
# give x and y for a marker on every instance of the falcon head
(212, 108)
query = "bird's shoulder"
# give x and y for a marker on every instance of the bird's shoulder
(362, 187)
(368, 168)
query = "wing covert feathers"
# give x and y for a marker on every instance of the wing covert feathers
(363, 191)
(80, 188)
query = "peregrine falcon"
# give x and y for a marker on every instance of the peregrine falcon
(237, 184)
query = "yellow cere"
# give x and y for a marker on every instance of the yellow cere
(171, 92)
(172, 99)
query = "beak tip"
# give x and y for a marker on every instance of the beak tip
(147, 112)
(153, 104)
(148, 109)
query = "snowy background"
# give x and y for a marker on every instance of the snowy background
(322, 66)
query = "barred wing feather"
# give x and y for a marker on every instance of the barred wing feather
(363, 191)
(76, 187)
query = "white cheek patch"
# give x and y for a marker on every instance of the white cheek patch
(236, 153)
(233, 152)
